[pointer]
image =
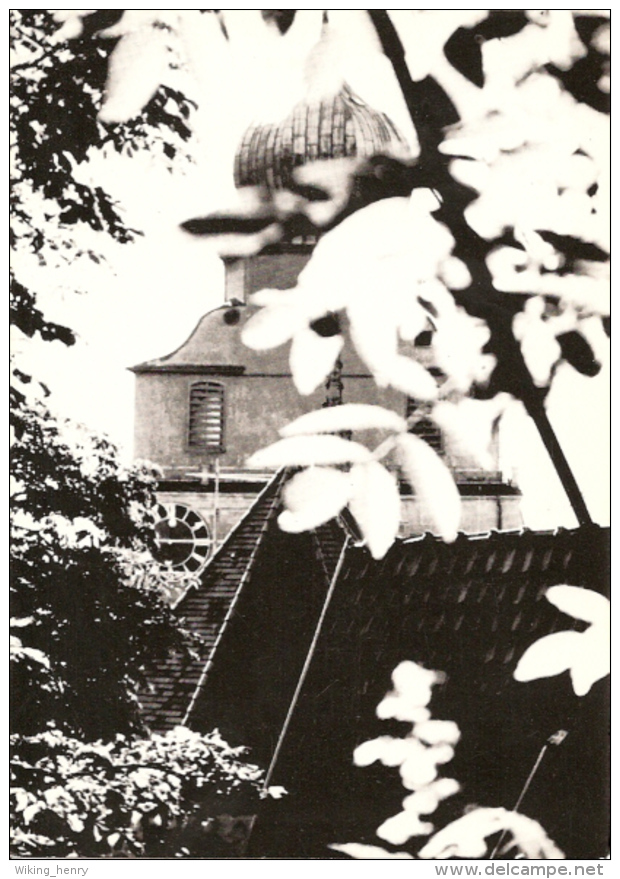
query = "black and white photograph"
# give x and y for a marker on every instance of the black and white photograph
(310, 438)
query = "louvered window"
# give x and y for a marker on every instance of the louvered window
(206, 417)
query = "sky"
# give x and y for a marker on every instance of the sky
(142, 302)
(146, 297)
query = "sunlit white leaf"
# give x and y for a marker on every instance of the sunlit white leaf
(541, 351)
(418, 771)
(273, 326)
(538, 250)
(585, 654)
(374, 332)
(485, 138)
(434, 732)
(424, 33)
(348, 416)
(400, 828)
(133, 20)
(17, 650)
(385, 749)
(18, 623)
(32, 810)
(530, 839)
(583, 604)
(425, 800)
(312, 497)
(309, 488)
(305, 451)
(467, 426)
(412, 318)
(276, 792)
(412, 692)
(432, 482)
(375, 504)
(556, 41)
(60, 15)
(408, 376)
(377, 252)
(72, 24)
(400, 708)
(382, 229)
(454, 273)
(457, 344)
(270, 296)
(135, 71)
(465, 837)
(296, 523)
(369, 852)
(548, 656)
(420, 767)
(594, 661)
(335, 177)
(312, 358)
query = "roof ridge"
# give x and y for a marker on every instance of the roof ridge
(165, 357)
(242, 581)
(233, 533)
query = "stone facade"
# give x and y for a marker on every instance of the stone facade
(257, 398)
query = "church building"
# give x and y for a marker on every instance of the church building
(203, 409)
(300, 633)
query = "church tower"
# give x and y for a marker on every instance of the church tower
(203, 409)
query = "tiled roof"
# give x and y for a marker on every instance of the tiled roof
(205, 611)
(469, 609)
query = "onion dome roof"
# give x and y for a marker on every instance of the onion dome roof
(341, 126)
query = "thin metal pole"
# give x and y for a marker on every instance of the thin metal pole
(306, 666)
(207, 666)
(216, 502)
(300, 683)
(556, 739)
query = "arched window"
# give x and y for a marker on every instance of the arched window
(206, 417)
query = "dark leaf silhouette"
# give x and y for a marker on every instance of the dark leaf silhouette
(577, 351)
(326, 326)
(283, 18)
(582, 79)
(463, 52)
(575, 248)
(501, 23)
(222, 224)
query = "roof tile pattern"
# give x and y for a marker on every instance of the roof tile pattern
(207, 611)
(203, 611)
(469, 609)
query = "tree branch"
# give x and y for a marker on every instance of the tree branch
(480, 299)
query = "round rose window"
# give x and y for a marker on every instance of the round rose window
(183, 538)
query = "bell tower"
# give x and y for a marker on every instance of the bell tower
(202, 410)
